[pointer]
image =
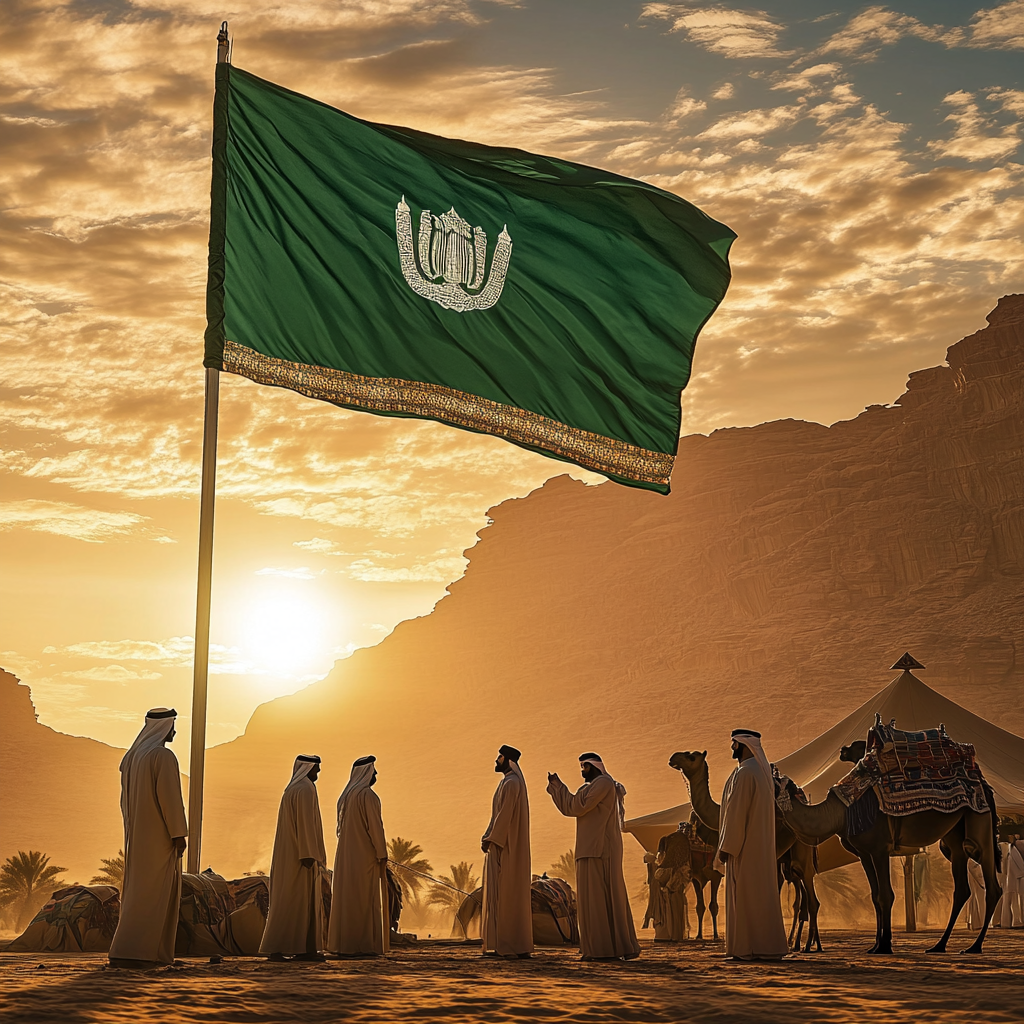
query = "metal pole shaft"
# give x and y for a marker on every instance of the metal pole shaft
(197, 765)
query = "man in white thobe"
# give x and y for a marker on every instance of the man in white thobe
(746, 846)
(295, 921)
(1012, 911)
(154, 840)
(606, 922)
(360, 924)
(507, 923)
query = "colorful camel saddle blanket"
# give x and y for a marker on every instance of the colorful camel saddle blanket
(915, 771)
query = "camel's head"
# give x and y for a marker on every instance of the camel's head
(689, 762)
(854, 752)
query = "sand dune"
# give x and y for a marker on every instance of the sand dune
(456, 986)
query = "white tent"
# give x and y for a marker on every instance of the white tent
(816, 765)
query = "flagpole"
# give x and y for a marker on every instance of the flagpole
(201, 662)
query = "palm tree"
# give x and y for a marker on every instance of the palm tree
(111, 872)
(462, 879)
(565, 867)
(24, 878)
(405, 859)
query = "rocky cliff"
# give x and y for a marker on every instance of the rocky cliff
(59, 794)
(790, 566)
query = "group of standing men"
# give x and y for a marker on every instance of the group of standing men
(359, 922)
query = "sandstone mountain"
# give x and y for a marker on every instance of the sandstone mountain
(791, 565)
(59, 794)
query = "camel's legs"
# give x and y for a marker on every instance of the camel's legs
(978, 829)
(804, 869)
(796, 913)
(886, 898)
(961, 887)
(716, 880)
(698, 888)
(813, 903)
(869, 870)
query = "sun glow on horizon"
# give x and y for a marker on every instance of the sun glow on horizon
(285, 630)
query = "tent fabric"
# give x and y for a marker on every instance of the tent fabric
(916, 706)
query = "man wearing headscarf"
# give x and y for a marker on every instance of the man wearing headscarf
(746, 846)
(507, 919)
(606, 922)
(359, 923)
(295, 921)
(154, 840)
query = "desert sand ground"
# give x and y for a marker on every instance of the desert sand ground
(454, 985)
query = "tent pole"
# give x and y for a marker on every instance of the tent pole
(202, 649)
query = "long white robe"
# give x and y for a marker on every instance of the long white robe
(154, 816)
(976, 903)
(606, 921)
(753, 916)
(295, 922)
(507, 923)
(1012, 911)
(359, 905)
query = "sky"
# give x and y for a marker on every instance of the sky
(867, 155)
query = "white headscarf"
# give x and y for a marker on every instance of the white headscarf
(303, 765)
(361, 777)
(752, 741)
(158, 726)
(620, 789)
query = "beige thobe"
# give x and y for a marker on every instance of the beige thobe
(753, 915)
(507, 923)
(154, 816)
(359, 906)
(1012, 911)
(606, 922)
(295, 922)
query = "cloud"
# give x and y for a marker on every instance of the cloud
(996, 28)
(177, 650)
(66, 520)
(975, 136)
(114, 674)
(740, 35)
(811, 80)
(684, 105)
(318, 546)
(751, 123)
(867, 32)
(999, 28)
(440, 570)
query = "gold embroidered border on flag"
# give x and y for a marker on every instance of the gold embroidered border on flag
(458, 408)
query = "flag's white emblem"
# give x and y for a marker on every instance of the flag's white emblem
(452, 260)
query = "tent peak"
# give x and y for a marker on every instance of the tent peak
(907, 662)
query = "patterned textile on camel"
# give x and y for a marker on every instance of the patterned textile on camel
(915, 771)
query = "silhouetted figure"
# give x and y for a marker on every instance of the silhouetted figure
(295, 921)
(154, 840)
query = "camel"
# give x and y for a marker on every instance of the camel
(550, 925)
(964, 834)
(703, 872)
(694, 767)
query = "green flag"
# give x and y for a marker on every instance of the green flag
(381, 268)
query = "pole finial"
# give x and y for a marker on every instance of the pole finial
(223, 45)
(907, 662)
